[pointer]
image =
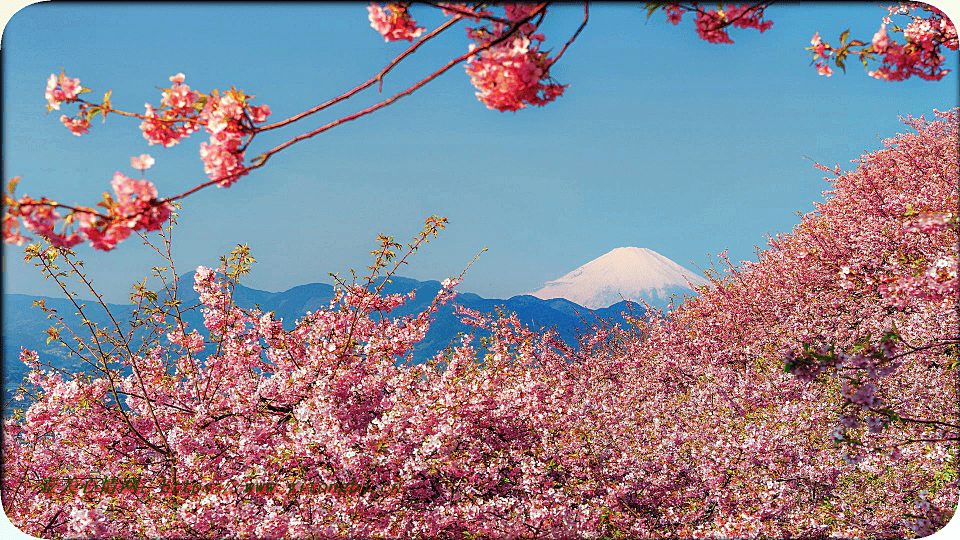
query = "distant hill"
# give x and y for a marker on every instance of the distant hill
(24, 325)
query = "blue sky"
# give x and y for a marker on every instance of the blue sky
(662, 140)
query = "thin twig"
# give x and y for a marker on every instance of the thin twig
(376, 78)
(586, 16)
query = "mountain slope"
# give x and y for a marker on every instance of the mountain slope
(626, 273)
(24, 325)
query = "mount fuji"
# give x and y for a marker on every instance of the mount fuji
(626, 273)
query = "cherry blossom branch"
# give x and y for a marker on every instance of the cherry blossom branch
(376, 78)
(259, 161)
(586, 16)
(232, 122)
(468, 14)
(52, 271)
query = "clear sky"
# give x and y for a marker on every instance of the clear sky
(662, 140)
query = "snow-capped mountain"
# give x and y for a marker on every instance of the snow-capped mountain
(626, 273)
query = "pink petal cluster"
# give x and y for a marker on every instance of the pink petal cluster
(510, 75)
(712, 24)
(674, 13)
(393, 22)
(881, 40)
(77, 126)
(143, 162)
(922, 54)
(229, 120)
(40, 219)
(514, 73)
(136, 201)
(11, 230)
(135, 207)
(60, 89)
(192, 342)
(177, 117)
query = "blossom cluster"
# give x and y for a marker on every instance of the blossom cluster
(134, 206)
(60, 89)
(712, 24)
(921, 54)
(868, 365)
(65, 89)
(821, 51)
(394, 22)
(511, 72)
(177, 116)
(228, 118)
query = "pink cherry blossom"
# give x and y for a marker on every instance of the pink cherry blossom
(510, 75)
(143, 162)
(675, 13)
(77, 126)
(60, 89)
(393, 22)
(880, 39)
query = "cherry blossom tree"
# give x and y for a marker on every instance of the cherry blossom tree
(810, 393)
(691, 424)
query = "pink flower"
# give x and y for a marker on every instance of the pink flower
(11, 231)
(60, 89)
(880, 39)
(711, 26)
(395, 24)
(675, 13)
(515, 12)
(819, 47)
(157, 131)
(259, 114)
(77, 126)
(143, 162)
(824, 69)
(510, 75)
(222, 157)
(875, 423)
(137, 201)
(49, 94)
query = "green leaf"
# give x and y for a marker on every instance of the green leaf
(864, 60)
(13, 184)
(844, 36)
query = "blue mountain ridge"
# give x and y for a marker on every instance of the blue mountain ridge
(24, 325)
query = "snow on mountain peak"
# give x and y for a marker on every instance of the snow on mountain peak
(629, 273)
